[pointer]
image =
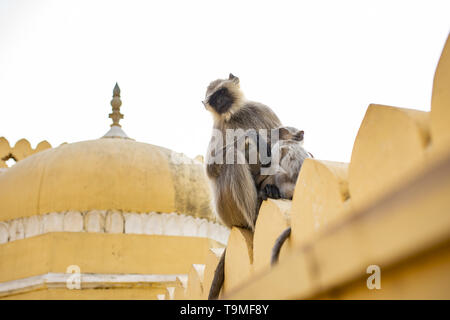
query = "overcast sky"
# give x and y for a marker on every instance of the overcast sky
(317, 64)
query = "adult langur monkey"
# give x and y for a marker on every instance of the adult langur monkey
(238, 186)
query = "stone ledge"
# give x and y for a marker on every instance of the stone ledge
(408, 222)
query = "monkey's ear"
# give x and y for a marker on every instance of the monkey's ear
(234, 78)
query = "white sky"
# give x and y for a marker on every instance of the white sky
(317, 64)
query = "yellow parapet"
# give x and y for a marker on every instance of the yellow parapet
(425, 276)
(440, 101)
(406, 234)
(319, 198)
(239, 258)
(272, 220)
(389, 148)
(289, 279)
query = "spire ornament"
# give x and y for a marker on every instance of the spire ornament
(116, 103)
(116, 129)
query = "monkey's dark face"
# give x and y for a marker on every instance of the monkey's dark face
(222, 96)
(221, 100)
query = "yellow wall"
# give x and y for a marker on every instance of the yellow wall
(101, 253)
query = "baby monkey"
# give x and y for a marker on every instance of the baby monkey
(288, 155)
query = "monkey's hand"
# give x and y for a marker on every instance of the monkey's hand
(270, 191)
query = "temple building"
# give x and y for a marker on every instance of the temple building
(125, 215)
(114, 218)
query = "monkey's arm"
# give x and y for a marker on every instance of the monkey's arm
(270, 191)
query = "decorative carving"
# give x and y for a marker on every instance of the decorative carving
(5, 152)
(73, 221)
(152, 223)
(4, 232)
(133, 223)
(114, 222)
(16, 230)
(33, 226)
(94, 221)
(21, 150)
(53, 222)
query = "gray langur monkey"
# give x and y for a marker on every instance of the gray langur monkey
(235, 195)
(238, 188)
(233, 185)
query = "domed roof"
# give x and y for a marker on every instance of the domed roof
(115, 172)
(104, 174)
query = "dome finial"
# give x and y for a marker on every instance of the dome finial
(116, 91)
(116, 103)
(116, 130)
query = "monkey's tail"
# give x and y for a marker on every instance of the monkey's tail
(219, 276)
(278, 244)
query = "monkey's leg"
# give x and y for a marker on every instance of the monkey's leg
(219, 277)
(278, 244)
(243, 192)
